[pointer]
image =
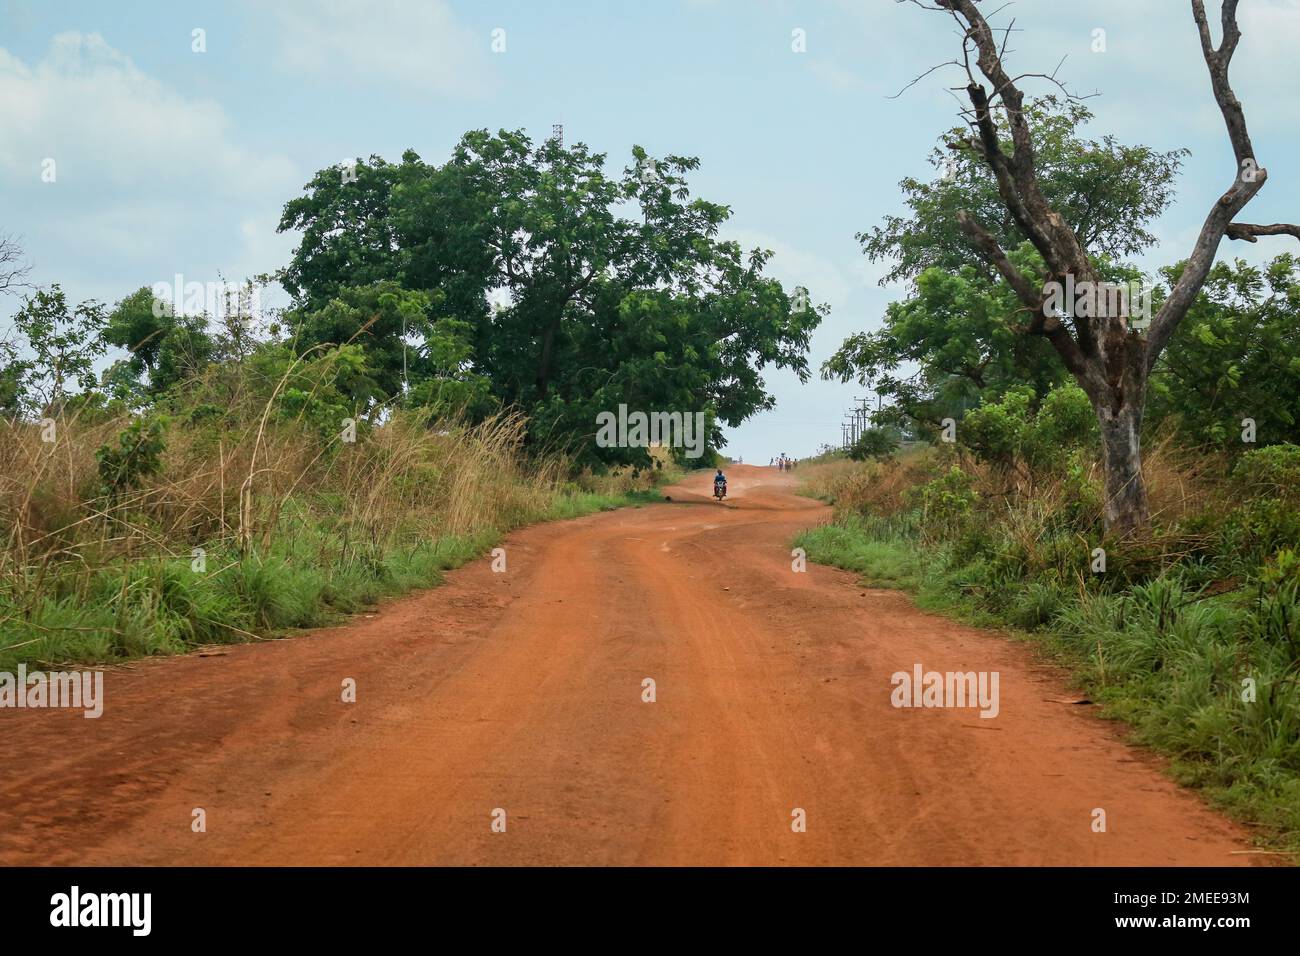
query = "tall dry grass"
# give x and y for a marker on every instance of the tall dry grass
(252, 522)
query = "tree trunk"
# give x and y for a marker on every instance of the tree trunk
(1125, 508)
(1109, 362)
(548, 357)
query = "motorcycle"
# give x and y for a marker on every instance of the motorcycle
(719, 490)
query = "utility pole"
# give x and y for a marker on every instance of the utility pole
(864, 414)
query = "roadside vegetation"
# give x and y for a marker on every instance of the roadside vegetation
(133, 536)
(1114, 471)
(1191, 634)
(188, 467)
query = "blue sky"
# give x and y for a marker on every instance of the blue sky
(171, 161)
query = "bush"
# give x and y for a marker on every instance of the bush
(998, 432)
(135, 455)
(1066, 423)
(945, 502)
(875, 443)
(1273, 471)
(1010, 434)
(1269, 517)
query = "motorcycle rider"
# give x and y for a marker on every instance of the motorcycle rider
(720, 479)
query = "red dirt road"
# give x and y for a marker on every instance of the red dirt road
(523, 691)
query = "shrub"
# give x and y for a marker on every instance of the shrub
(134, 456)
(1269, 517)
(945, 502)
(1272, 471)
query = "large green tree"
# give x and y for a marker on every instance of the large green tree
(959, 339)
(169, 347)
(1109, 356)
(1106, 191)
(579, 288)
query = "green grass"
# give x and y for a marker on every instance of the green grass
(882, 558)
(310, 578)
(1160, 655)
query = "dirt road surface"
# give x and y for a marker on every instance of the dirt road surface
(523, 691)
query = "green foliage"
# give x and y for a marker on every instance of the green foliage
(957, 332)
(402, 339)
(1271, 471)
(348, 230)
(1082, 490)
(171, 348)
(945, 502)
(601, 308)
(1065, 421)
(1000, 431)
(1268, 516)
(321, 388)
(63, 343)
(1010, 434)
(1277, 616)
(1236, 355)
(875, 443)
(137, 454)
(1107, 193)
(13, 374)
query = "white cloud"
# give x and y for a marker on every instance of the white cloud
(143, 172)
(824, 280)
(417, 44)
(87, 106)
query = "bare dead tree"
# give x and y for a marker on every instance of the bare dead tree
(1110, 359)
(14, 269)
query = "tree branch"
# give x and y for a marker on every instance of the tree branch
(1218, 61)
(1248, 180)
(13, 270)
(987, 245)
(1016, 175)
(1041, 322)
(1251, 232)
